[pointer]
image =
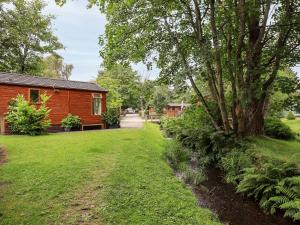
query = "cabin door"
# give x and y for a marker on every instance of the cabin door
(2, 125)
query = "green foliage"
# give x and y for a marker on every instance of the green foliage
(25, 118)
(170, 125)
(234, 163)
(276, 185)
(193, 177)
(275, 128)
(201, 50)
(54, 67)
(25, 36)
(178, 157)
(276, 105)
(112, 117)
(287, 198)
(176, 154)
(290, 116)
(71, 121)
(288, 83)
(194, 131)
(123, 84)
(161, 97)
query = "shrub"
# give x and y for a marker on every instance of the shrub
(71, 122)
(277, 129)
(171, 125)
(112, 117)
(290, 116)
(195, 132)
(276, 185)
(28, 119)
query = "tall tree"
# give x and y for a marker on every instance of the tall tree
(125, 84)
(54, 67)
(25, 36)
(161, 97)
(233, 46)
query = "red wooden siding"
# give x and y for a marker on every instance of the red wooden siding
(172, 111)
(62, 102)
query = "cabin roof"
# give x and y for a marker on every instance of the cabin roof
(35, 81)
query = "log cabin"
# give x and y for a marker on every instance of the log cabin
(174, 109)
(84, 99)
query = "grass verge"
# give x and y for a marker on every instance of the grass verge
(103, 177)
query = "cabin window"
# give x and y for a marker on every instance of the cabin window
(97, 104)
(34, 95)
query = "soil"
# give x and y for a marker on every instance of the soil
(231, 207)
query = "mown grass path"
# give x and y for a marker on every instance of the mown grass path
(101, 177)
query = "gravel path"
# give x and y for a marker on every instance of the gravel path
(132, 121)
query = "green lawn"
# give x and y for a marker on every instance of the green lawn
(278, 149)
(100, 177)
(294, 125)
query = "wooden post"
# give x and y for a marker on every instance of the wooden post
(2, 125)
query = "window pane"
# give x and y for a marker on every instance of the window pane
(34, 96)
(96, 106)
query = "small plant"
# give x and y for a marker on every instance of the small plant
(70, 122)
(176, 154)
(276, 129)
(290, 116)
(234, 163)
(112, 117)
(194, 177)
(28, 119)
(275, 185)
(287, 198)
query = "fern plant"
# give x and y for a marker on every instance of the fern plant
(233, 163)
(287, 198)
(276, 185)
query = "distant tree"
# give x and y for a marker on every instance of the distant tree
(25, 36)
(54, 67)
(285, 94)
(114, 97)
(125, 83)
(66, 71)
(147, 89)
(161, 97)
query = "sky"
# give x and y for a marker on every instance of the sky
(78, 29)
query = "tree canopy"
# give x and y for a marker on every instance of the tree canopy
(25, 36)
(233, 47)
(123, 84)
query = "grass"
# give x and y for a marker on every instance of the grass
(280, 149)
(294, 125)
(101, 177)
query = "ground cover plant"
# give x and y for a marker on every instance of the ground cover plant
(262, 167)
(96, 177)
